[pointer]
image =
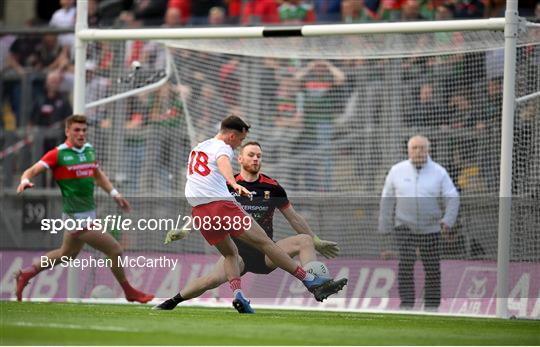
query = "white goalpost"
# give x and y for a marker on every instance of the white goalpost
(333, 106)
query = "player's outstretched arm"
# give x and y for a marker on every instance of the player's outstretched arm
(103, 181)
(328, 249)
(27, 175)
(225, 167)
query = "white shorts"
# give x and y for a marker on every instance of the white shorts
(85, 222)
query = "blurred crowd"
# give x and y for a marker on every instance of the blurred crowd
(53, 54)
(252, 12)
(338, 97)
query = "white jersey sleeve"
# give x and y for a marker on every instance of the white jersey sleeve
(205, 183)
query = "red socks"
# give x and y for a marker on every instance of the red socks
(23, 277)
(300, 273)
(30, 271)
(133, 294)
(128, 289)
(235, 284)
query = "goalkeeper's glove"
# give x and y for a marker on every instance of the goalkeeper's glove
(175, 234)
(328, 249)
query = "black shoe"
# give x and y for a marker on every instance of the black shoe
(166, 305)
(329, 288)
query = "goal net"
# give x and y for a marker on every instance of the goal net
(332, 114)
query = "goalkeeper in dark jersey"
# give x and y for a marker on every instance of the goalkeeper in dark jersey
(267, 196)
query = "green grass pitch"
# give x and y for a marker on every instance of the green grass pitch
(30, 323)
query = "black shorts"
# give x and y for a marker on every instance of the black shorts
(253, 260)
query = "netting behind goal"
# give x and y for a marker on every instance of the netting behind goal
(333, 115)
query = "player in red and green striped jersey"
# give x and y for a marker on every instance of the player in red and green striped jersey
(76, 171)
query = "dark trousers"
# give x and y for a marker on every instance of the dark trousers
(428, 245)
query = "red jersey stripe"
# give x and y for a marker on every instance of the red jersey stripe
(268, 180)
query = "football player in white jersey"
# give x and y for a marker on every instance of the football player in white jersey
(268, 196)
(218, 216)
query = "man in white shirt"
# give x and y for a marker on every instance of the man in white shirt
(218, 216)
(418, 203)
(64, 17)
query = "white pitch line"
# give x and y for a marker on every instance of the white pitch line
(70, 326)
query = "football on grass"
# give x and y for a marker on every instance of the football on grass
(317, 268)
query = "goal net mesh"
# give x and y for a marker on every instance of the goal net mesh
(332, 114)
